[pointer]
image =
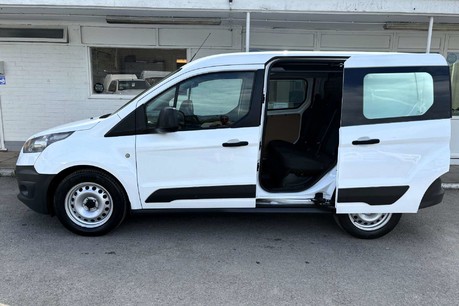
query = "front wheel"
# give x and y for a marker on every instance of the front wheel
(368, 226)
(90, 203)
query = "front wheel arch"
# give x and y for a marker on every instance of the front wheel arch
(90, 202)
(66, 172)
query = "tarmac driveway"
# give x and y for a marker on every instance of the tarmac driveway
(231, 259)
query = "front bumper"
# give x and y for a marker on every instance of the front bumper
(33, 188)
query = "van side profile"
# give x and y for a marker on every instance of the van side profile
(363, 136)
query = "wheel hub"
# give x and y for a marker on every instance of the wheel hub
(90, 204)
(370, 222)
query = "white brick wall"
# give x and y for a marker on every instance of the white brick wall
(47, 85)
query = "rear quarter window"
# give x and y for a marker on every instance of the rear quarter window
(391, 95)
(374, 95)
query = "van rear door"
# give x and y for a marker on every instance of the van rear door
(395, 131)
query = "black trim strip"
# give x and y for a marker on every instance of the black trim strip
(372, 195)
(275, 210)
(208, 192)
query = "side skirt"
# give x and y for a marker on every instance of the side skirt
(258, 210)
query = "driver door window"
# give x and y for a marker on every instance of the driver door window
(208, 101)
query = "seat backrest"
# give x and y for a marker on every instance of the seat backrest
(322, 111)
(187, 107)
(296, 97)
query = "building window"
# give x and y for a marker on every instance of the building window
(128, 71)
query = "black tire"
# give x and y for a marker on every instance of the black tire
(367, 226)
(90, 203)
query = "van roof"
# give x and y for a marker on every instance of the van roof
(261, 58)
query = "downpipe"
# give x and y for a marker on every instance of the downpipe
(2, 132)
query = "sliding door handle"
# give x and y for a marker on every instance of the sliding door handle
(235, 143)
(365, 141)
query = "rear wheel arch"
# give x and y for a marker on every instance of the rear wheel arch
(368, 226)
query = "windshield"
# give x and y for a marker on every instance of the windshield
(163, 79)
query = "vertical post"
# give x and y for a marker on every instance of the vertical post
(247, 33)
(2, 133)
(429, 35)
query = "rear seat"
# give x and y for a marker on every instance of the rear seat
(287, 158)
(317, 149)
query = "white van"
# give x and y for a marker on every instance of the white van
(364, 136)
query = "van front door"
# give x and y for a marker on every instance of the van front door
(395, 132)
(211, 161)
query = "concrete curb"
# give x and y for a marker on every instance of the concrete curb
(6, 172)
(453, 186)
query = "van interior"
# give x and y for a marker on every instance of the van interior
(300, 141)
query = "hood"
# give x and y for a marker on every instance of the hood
(85, 124)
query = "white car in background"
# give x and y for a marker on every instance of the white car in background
(153, 77)
(124, 84)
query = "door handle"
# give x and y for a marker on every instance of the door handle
(235, 143)
(365, 141)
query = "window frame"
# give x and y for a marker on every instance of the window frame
(352, 108)
(135, 124)
(305, 97)
(248, 120)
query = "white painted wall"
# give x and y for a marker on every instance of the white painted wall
(47, 84)
(436, 7)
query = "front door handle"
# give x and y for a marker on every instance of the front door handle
(235, 143)
(365, 141)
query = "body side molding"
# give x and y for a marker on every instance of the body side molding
(372, 195)
(207, 192)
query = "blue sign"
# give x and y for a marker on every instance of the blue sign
(2, 80)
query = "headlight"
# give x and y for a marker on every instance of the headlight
(38, 144)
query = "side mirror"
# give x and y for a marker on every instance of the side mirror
(168, 120)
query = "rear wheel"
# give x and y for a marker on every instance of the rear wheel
(90, 203)
(368, 226)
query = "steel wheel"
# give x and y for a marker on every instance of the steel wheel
(369, 222)
(90, 202)
(89, 205)
(368, 225)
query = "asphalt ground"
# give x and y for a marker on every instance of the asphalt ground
(212, 259)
